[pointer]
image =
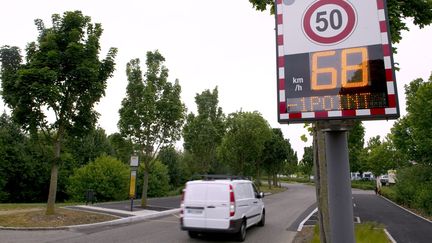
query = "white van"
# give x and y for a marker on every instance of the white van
(221, 204)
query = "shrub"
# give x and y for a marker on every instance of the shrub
(158, 183)
(106, 176)
(414, 187)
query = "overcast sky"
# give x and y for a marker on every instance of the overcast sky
(224, 43)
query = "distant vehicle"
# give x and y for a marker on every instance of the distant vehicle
(368, 176)
(384, 179)
(391, 176)
(221, 204)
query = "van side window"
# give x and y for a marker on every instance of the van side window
(249, 189)
(256, 193)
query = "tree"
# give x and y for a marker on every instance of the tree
(306, 164)
(382, 156)
(158, 179)
(412, 133)
(152, 113)
(355, 146)
(203, 133)
(62, 75)
(122, 148)
(243, 144)
(171, 159)
(398, 11)
(88, 147)
(277, 155)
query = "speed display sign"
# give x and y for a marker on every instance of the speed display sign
(334, 61)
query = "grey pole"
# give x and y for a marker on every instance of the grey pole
(340, 203)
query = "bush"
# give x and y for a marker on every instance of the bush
(106, 176)
(414, 188)
(364, 185)
(158, 183)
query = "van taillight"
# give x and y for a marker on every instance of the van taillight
(232, 201)
(182, 201)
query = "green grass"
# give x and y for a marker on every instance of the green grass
(265, 188)
(369, 232)
(364, 185)
(19, 206)
(389, 192)
(297, 180)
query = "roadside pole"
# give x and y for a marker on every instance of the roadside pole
(340, 205)
(334, 66)
(134, 161)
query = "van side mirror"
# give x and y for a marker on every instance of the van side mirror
(261, 195)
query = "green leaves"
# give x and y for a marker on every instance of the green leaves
(107, 176)
(151, 113)
(413, 133)
(203, 133)
(243, 144)
(63, 73)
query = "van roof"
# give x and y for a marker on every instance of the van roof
(224, 181)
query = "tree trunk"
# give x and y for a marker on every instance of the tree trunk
(321, 183)
(275, 184)
(258, 179)
(54, 175)
(145, 187)
(269, 181)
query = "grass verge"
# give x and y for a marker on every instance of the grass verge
(364, 233)
(33, 215)
(364, 185)
(266, 189)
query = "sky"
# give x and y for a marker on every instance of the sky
(206, 44)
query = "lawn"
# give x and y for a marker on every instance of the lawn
(33, 215)
(364, 233)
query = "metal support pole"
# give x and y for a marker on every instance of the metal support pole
(339, 187)
(131, 209)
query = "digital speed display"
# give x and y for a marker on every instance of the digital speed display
(334, 61)
(341, 79)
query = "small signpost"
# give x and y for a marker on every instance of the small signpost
(334, 63)
(134, 161)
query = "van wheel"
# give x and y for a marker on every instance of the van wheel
(261, 223)
(241, 235)
(193, 234)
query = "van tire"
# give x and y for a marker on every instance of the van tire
(193, 234)
(261, 223)
(241, 235)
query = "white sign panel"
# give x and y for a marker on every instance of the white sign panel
(329, 24)
(334, 61)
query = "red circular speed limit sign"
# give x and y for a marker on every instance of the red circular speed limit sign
(329, 22)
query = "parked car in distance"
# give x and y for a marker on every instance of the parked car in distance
(221, 204)
(384, 179)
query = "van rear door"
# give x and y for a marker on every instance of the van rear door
(217, 206)
(194, 205)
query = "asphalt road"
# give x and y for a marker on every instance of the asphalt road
(402, 225)
(283, 212)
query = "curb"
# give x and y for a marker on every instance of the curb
(389, 236)
(106, 223)
(300, 227)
